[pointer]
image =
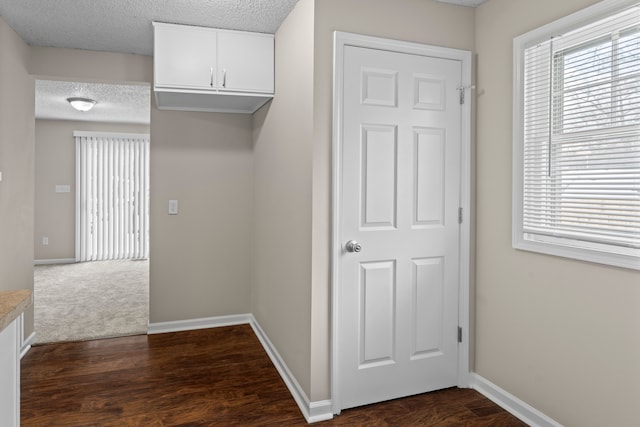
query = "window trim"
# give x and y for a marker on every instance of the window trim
(520, 43)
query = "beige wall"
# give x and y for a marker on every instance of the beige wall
(200, 262)
(55, 158)
(200, 259)
(17, 108)
(293, 168)
(561, 335)
(412, 20)
(86, 65)
(281, 292)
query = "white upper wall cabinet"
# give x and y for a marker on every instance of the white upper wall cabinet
(245, 61)
(185, 57)
(206, 69)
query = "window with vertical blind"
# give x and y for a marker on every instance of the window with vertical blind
(112, 196)
(576, 189)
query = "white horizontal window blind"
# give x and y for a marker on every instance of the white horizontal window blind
(581, 137)
(112, 181)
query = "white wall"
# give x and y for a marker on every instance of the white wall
(561, 335)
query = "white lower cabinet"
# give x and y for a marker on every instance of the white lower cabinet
(10, 376)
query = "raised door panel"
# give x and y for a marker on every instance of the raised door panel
(427, 306)
(377, 315)
(185, 57)
(398, 197)
(379, 176)
(429, 185)
(245, 62)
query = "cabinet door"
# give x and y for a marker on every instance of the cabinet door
(9, 376)
(185, 57)
(245, 62)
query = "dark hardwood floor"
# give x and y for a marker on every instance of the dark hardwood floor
(210, 377)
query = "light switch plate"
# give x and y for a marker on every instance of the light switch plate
(173, 207)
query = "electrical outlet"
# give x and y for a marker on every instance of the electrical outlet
(63, 188)
(45, 241)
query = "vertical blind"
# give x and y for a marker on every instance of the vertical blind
(582, 136)
(112, 183)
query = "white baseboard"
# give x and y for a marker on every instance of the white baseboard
(312, 411)
(54, 261)
(203, 323)
(520, 409)
(26, 344)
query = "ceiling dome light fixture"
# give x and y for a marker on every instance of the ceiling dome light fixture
(82, 104)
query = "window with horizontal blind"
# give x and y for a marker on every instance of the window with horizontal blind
(576, 189)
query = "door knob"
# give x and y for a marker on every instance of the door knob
(353, 246)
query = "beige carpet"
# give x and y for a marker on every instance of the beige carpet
(90, 300)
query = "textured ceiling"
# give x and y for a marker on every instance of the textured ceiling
(125, 25)
(115, 103)
(121, 26)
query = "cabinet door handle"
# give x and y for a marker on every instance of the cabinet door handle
(211, 77)
(224, 77)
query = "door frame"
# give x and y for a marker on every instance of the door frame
(341, 40)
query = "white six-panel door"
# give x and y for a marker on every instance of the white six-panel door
(399, 196)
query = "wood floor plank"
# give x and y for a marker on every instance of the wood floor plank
(208, 377)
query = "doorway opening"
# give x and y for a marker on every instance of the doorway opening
(91, 282)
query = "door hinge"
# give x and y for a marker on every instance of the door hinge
(460, 213)
(459, 334)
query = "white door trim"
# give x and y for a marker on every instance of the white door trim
(342, 39)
